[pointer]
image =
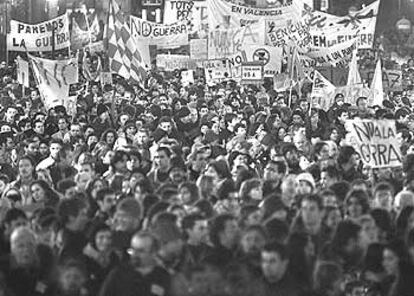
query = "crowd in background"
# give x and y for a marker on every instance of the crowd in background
(200, 190)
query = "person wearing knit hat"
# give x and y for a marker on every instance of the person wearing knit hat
(306, 183)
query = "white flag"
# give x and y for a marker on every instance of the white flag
(377, 90)
(322, 91)
(354, 77)
(54, 78)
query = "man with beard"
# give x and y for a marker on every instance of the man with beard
(291, 155)
(273, 175)
(141, 275)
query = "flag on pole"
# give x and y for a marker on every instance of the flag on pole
(354, 77)
(54, 78)
(377, 90)
(124, 57)
(322, 91)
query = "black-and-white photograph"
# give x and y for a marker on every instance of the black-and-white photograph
(206, 147)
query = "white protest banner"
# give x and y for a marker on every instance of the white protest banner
(54, 78)
(39, 37)
(322, 91)
(225, 42)
(187, 77)
(375, 141)
(296, 32)
(338, 55)
(198, 49)
(177, 10)
(168, 36)
(195, 12)
(252, 73)
(171, 62)
(221, 12)
(328, 30)
(270, 56)
(23, 72)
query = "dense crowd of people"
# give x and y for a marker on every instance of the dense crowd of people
(200, 190)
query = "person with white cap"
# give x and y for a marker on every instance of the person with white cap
(306, 183)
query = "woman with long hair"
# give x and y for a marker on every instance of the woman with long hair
(42, 193)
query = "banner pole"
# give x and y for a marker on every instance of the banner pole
(53, 43)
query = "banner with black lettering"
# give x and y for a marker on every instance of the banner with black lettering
(54, 78)
(195, 12)
(224, 12)
(327, 29)
(375, 141)
(338, 55)
(167, 36)
(39, 37)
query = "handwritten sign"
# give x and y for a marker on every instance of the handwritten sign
(375, 141)
(338, 55)
(187, 77)
(297, 33)
(173, 35)
(39, 37)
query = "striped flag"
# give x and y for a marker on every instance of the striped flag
(124, 57)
